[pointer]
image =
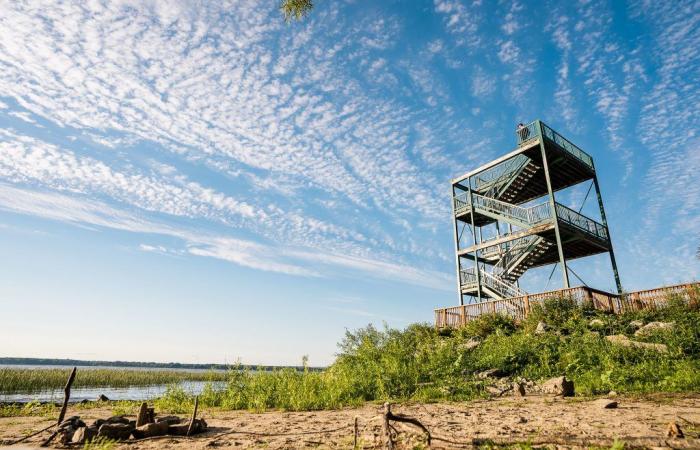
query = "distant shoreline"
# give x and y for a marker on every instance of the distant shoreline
(138, 364)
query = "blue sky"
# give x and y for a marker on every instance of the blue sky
(201, 182)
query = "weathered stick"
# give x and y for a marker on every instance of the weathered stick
(194, 416)
(399, 418)
(62, 414)
(356, 432)
(31, 435)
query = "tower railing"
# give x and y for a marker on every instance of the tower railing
(531, 131)
(500, 287)
(532, 215)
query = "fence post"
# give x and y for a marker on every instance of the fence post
(526, 300)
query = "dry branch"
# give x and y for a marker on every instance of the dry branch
(194, 416)
(62, 414)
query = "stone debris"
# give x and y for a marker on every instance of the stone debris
(74, 431)
(624, 341)
(653, 327)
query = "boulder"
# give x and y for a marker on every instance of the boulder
(171, 420)
(471, 344)
(491, 373)
(636, 324)
(84, 434)
(151, 429)
(116, 431)
(180, 429)
(653, 327)
(541, 328)
(102, 398)
(558, 386)
(519, 389)
(624, 341)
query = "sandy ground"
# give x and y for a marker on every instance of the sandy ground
(546, 422)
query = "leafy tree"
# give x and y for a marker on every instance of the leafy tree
(296, 9)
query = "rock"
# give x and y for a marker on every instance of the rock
(471, 344)
(84, 434)
(558, 386)
(117, 431)
(84, 401)
(180, 429)
(653, 327)
(605, 403)
(519, 389)
(171, 420)
(596, 324)
(491, 373)
(612, 394)
(636, 324)
(674, 430)
(151, 429)
(541, 328)
(102, 398)
(624, 341)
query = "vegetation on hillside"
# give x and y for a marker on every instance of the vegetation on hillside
(419, 363)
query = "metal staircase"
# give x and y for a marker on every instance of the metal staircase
(490, 198)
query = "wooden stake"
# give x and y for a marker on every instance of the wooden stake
(356, 431)
(66, 397)
(194, 416)
(386, 427)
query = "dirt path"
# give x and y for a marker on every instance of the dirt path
(564, 423)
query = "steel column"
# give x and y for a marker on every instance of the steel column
(552, 206)
(607, 230)
(456, 236)
(476, 252)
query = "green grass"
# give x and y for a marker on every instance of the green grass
(15, 380)
(421, 364)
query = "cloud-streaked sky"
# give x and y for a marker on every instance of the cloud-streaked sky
(205, 178)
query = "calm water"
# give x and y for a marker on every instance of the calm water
(78, 394)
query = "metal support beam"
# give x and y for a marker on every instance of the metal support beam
(552, 205)
(456, 236)
(476, 259)
(605, 224)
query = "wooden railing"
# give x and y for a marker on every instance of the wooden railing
(520, 307)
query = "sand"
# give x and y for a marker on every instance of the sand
(545, 421)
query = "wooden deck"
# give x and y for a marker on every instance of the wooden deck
(519, 307)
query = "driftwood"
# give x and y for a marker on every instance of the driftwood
(194, 416)
(389, 416)
(62, 414)
(31, 435)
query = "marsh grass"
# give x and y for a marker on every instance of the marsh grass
(20, 380)
(421, 364)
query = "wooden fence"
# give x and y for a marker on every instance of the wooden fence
(520, 307)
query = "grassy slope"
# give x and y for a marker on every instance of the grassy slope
(419, 363)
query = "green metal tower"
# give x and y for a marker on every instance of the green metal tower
(513, 222)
